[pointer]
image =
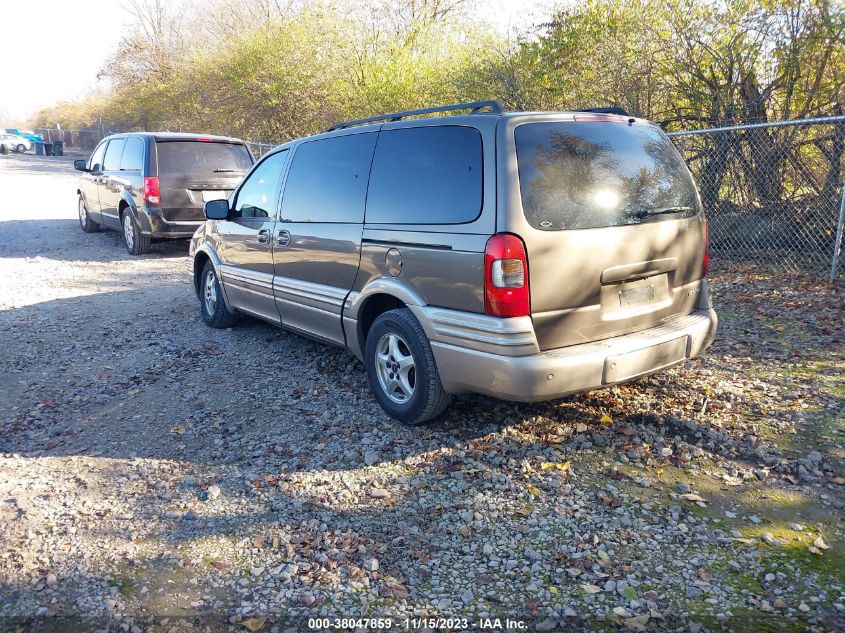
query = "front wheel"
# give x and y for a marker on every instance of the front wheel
(215, 313)
(401, 368)
(88, 225)
(136, 243)
(21, 148)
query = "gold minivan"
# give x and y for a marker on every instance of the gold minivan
(523, 255)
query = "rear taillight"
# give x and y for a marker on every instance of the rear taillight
(506, 292)
(152, 193)
(705, 264)
(205, 139)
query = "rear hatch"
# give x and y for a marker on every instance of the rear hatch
(613, 227)
(190, 172)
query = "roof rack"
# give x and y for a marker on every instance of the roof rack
(496, 107)
(610, 110)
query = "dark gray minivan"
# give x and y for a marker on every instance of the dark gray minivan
(154, 185)
(523, 255)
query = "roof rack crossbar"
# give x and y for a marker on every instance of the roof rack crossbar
(496, 107)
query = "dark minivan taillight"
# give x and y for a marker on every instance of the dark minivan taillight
(506, 292)
(705, 264)
(152, 191)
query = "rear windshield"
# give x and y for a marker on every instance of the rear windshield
(589, 174)
(200, 159)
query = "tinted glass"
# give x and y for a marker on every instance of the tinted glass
(113, 153)
(97, 158)
(327, 181)
(579, 174)
(258, 197)
(133, 155)
(198, 160)
(426, 175)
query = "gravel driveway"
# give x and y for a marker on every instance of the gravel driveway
(159, 475)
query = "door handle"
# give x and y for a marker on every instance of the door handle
(263, 236)
(284, 238)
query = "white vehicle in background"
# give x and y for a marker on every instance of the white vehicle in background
(14, 143)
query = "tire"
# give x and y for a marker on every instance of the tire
(4, 149)
(213, 306)
(21, 148)
(88, 225)
(408, 390)
(136, 243)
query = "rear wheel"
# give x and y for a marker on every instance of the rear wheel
(88, 225)
(136, 243)
(401, 368)
(213, 306)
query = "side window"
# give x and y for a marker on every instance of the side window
(426, 175)
(258, 197)
(95, 163)
(133, 155)
(327, 181)
(112, 160)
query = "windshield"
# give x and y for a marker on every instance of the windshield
(589, 174)
(199, 159)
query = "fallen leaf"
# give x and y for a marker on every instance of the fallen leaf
(690, 496)
(606, 419)
(178, 429)
(552, 466)
(590, 589)
(629, 593)
(638, 623)
(622, 611)
(254, 624)
(534, 490)
(532, 605)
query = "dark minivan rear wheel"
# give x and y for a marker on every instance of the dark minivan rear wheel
(401, 368)
(136, 242)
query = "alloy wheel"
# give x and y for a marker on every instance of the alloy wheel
(128, 231)
(395, 368)
(210, 295)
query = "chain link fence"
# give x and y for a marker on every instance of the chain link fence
(773, 192)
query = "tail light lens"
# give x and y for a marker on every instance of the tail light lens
(705, 264)
(506, 292)
(152, 193)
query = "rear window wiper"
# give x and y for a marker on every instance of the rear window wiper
(661, 211)
(229, 171)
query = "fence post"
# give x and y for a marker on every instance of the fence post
(837, 243)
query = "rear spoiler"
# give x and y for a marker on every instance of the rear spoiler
(609, 110)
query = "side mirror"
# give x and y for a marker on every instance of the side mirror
(216, 209)
(80, 165)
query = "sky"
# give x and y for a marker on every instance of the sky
(53, 49)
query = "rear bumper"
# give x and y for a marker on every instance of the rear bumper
(556, 373)
(153, 224)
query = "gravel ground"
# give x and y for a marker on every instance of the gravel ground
(158, 475)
